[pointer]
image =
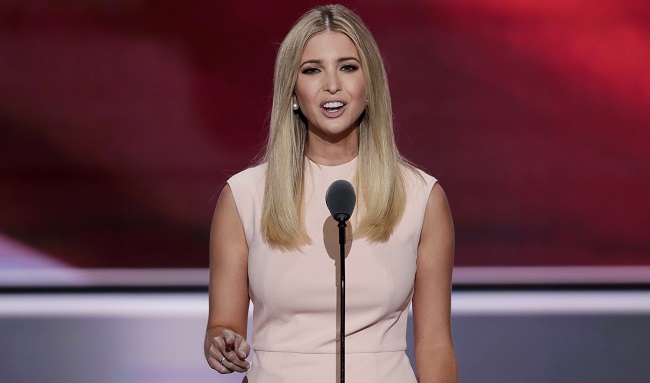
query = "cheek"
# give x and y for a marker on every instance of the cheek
(297, 90)
(302, 92)
(360, 88)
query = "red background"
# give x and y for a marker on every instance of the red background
(121, 120)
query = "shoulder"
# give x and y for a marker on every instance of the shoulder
(247, 191)
(248, 185)
(417, 181)
(248, 180)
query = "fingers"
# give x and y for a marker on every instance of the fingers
(228, 353)
(228, 336)
(241, 347)
(237, 344)
(214, 361)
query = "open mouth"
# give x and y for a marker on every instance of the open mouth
(333, 106)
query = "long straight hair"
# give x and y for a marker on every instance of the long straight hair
(380, 180)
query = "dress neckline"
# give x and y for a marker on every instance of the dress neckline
(352, 162)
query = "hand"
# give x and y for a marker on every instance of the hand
(228, 352)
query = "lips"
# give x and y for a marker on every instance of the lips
(333, 108)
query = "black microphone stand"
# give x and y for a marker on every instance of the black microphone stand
(340, 199)
(342, 227)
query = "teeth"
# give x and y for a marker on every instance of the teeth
(333, 105)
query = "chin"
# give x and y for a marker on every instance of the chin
(338, 133)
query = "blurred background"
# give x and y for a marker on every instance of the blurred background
(121, 120)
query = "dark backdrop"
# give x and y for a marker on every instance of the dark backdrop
(121, 120)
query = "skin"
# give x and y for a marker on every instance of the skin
(228, 296)
(435, 358)
(330, 70)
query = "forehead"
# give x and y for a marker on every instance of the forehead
(329, 44)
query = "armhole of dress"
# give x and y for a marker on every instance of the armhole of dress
(429, 183)
(235, 196)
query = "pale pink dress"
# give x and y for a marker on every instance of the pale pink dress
(295, 293)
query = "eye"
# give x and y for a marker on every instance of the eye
(349, 68)
(309, 71)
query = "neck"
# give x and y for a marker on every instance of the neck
(332, 152)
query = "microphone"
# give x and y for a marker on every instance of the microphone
(340, 199)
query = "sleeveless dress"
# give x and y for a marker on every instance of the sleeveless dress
(295, 294)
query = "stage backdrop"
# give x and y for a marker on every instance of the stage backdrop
(120, 122)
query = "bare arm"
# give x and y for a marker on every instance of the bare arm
(225, 344)
(435, 358)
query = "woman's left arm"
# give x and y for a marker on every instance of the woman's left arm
(435, 358)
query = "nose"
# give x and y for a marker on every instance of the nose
(332, 83)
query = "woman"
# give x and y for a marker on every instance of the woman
(277, 244)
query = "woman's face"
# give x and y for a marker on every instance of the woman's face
(331, 88)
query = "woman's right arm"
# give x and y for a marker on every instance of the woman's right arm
(225, 344)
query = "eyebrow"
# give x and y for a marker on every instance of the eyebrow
(314, 61)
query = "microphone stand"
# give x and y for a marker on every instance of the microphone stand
(342, 227)
(340, 199)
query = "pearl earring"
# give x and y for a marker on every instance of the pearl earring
(295, 105)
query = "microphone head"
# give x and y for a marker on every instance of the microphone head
(340, 199)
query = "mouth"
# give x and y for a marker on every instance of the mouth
(333, 108)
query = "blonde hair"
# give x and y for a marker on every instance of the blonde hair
(381, 190)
